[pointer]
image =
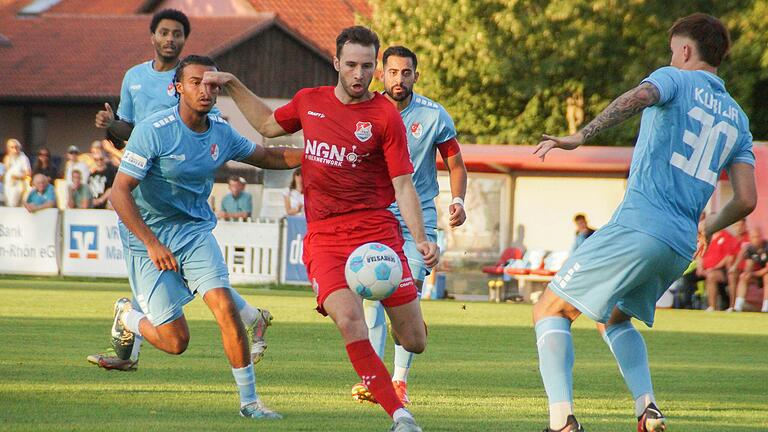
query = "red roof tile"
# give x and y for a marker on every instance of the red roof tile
(319, 21)
(86, 56)
(98, 7)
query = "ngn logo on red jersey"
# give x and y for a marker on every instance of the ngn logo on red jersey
(330, 154)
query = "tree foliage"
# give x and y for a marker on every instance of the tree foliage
(505, 69)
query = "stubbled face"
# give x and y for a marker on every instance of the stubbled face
(168, 40)
(236, 188)
(193, 93)
(755, 237)
(356, 66)
(399, 77)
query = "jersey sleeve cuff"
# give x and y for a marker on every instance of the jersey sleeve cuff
(663, 97)
(744, 160)
(138, 175)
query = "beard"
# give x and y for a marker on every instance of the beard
(402, 96)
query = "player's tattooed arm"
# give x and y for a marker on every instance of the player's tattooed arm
(622, 108)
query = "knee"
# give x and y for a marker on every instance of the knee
(178, 345)
(416, 346)
(351, 326)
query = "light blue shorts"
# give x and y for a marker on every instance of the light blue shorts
(161, 295)
(415, 259)
(620, 267)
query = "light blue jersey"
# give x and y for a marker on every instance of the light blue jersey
(146, 91)
(427, 125)
(694, 132)
(176, 167)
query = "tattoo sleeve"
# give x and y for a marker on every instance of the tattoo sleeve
(622, 108)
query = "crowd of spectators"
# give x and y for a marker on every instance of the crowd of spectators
(88, 176)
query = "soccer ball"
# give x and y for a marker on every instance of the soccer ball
(373, 271)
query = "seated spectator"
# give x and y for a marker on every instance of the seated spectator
(79, 194)
(96, 148)
(237, 204)
(583, 231)
(42, 195)
(755, 270)
(17, 168)
(101, 179)
(738, 247)
(44, 165)
(294, 199)
(713, 266)
(73, 163)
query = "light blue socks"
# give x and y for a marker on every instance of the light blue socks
(377, 326)
(246, 384)
(628, 348)
(555, 345)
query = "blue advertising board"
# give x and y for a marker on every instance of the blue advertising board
(296, 228)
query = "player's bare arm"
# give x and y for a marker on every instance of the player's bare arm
(744, 200)
(105, 119)
(258, 114)
(457, 173)
(275, 157)
(410, 208)
(622, 108)
(126, 209)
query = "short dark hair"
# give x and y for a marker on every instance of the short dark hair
(357, 35)
(171, 14)
(579, 216)
(400, 51)
(190, 60)
(712, 38)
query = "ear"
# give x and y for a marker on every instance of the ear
(687, 52)
(336, 64)
(179, 88)
(415, 77)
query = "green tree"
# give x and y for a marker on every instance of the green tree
(505, 69)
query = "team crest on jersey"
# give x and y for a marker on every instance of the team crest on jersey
(214, 151)
(363, 131)
(171, 90)
(417, 129)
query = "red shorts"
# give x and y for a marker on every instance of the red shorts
(329, 242)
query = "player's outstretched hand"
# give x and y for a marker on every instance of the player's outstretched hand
(162, 257)
(702, 240)
(429, 252)
(548, 142)
(105, 117)
(217, 78)
(457, 215)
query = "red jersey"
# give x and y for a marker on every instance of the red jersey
(351, 152)
(719, 247)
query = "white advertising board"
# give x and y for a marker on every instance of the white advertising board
(28, 241)
(251, 250)
(91, 244)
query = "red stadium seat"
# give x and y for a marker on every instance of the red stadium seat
(498, 268)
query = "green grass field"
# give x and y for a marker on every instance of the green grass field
(479, 373)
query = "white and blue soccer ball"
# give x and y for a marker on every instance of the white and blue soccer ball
(373, 271)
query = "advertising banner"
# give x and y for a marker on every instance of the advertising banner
(91, 244)
(28, 241)
(293, 248)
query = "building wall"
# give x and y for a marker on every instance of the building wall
(65, 125)
(544, 207)
(274, 65)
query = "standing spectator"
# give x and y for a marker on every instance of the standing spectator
(237, 204)
(74, 164)
(713, 266)
(79, 194)
(755, 269)
(89, 158)
(294, 198)
(17, 168)
(738, 248)
(42, 195)
(583, 231)
(44, 165)
(101, 179)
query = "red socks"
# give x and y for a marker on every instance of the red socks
(374, 374)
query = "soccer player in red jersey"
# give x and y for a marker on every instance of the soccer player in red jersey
(355, 164)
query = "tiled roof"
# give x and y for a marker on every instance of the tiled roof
(319, 21)
(85, 56)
